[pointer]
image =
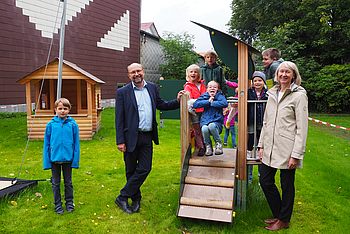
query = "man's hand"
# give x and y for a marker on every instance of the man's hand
(121, 147)
(179, 94)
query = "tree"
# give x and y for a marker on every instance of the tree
(312, 33)
(179, 54)
(308, 29)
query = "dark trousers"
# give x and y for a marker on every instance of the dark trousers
(251, 139)
(56, 180)
(138, 165)
(281, 208)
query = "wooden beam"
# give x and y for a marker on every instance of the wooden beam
(28, 99)
(185, 126)
(242, 110)
(78, 96)
(52, 94)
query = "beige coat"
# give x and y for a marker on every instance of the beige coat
(285, 126)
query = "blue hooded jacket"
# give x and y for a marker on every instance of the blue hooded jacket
(212, 111)
(61, 142)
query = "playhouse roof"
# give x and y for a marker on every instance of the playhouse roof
(226, 46)
(28, 77)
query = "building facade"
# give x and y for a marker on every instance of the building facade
(151, 51)
(101, 37)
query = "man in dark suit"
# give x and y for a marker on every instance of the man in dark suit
(136, 127)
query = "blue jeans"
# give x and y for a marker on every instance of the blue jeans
(213, 129)
(56, 181)
(233, 135)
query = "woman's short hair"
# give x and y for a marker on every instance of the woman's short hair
(292, 66)
(190, 68)
(64, 102)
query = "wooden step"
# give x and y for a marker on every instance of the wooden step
(213, 176)
(208, 196)
(227, 159)
(205, 213)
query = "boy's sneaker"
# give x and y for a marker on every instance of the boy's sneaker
(70, 207)
(59, 210)
(225, 143)
(218, 148)
(209, 150)
(250, 155)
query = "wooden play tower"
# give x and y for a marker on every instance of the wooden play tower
(213, 187)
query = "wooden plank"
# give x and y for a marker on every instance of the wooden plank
(242, 109)
(225, 160)
(209, 193)
(205, 213)
(28, 99)
(214, 176)
(206, 203)
(185, 126)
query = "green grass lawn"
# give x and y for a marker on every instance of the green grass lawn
(322, 203)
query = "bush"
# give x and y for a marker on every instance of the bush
(329, 89)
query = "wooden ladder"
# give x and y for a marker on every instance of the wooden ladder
(207, 187)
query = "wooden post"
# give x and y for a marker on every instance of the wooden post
(52, 94)
(28, 99)
(185, 126)
(78, 96)
(242, 124)
(89, 99)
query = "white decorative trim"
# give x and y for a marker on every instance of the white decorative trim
(43, 13)
(118, 37)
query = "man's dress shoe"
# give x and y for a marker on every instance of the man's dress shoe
(135, 206)
(278, 225)
(123, 205)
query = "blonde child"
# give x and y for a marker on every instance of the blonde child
(213, 71)
(195, 87)
(212, 119)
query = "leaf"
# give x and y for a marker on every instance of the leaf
(13, 203)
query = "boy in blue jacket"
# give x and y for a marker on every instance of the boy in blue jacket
(212, 118)
(61, 153)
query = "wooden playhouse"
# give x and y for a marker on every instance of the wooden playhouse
(81, 88)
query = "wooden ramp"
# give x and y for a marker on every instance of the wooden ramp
(207, 187)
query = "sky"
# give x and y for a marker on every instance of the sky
(175, 16)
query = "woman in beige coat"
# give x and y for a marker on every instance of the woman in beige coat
(282, 142)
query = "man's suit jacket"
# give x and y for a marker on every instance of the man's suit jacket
(127, 116)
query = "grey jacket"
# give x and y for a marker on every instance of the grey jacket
(285, 127)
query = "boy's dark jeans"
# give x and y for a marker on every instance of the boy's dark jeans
(68, 186)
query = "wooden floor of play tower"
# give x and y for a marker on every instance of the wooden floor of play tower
(208, 191)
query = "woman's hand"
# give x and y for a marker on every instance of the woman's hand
(293, 163)
(261, 153)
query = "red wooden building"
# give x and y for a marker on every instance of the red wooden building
(102, 38)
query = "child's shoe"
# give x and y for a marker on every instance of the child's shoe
(59, 210)
(250, 156)
(209, 150)
(201, 152)
(225, 143)
(218, 148)
(69, 207)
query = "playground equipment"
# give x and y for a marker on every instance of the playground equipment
(211, 187)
